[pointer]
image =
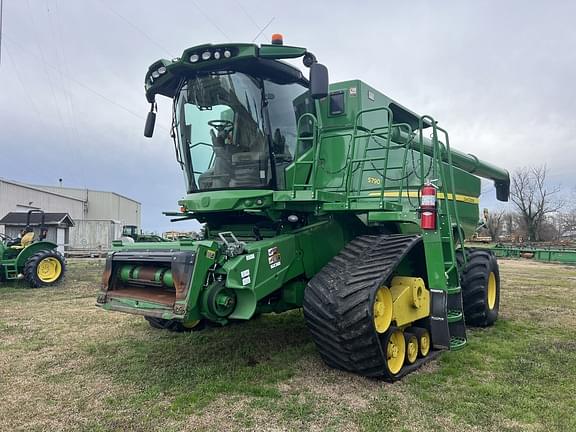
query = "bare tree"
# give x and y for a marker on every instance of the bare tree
(566, 222)
(533, 198)
(513, 230)
(495, 223)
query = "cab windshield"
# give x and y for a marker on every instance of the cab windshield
(222, 124)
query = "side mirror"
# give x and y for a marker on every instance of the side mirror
(318, 81)
(150, 122)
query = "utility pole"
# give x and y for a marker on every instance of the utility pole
(1, 9)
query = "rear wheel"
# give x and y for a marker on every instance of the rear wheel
(44, 268)
(480, 280)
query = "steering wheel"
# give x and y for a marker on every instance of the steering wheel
(221, 125)
(6, 238)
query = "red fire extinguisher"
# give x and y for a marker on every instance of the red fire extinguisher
(428, 207)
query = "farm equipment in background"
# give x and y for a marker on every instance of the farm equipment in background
(132, 232)
(539, 252)
(31, 257)
(331, 198)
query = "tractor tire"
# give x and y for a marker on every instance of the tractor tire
(339, 308)
(480, 282)
(173, 325)
(44, 268)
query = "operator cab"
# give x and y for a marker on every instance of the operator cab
(237, 131)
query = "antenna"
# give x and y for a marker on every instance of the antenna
(263, 28)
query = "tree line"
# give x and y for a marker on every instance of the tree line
(538, 210)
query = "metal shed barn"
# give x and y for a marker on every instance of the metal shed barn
(98, 216)
(57, 224)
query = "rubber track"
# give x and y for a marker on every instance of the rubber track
(338, 304)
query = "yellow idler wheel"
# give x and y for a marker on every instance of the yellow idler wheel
(412, 347)
(189, 325)
(382, 309)
(395, 346)
(424, 342)
(49, 269)
(491, 290)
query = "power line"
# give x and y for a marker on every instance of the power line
(48, 78)
(19, 78)
(134, 26)
(62, 64)
(248, 15)
(209, 19)
(81, 84)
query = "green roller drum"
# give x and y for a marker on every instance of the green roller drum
(331, 197)
(143, 274)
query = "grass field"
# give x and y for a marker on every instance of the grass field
(66, 365)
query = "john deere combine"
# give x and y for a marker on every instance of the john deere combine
(331, 198)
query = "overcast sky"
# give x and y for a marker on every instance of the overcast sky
(498, 75)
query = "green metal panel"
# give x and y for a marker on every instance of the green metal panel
(33, 248)
(560, 255)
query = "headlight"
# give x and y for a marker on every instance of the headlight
(155, 74)
(206, 55)
(227, 54)
(161, 70)
(217, 55)
(194, 58)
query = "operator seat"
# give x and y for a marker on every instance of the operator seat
(248, 169)
(218, 176)
(25, 240)
(250, 159)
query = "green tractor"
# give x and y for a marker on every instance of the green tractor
(132, 232)
(333, 198)
(30, 256)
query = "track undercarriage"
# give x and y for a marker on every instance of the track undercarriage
(356, 323)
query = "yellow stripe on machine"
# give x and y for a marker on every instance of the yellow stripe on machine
(414, 194)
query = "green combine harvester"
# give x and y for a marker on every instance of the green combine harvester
(331, 198)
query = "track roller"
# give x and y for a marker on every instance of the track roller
(424, 342)
(412, 347)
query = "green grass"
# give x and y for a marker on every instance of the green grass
(67, 365)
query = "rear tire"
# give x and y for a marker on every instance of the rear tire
(480, 281)
(44, 268)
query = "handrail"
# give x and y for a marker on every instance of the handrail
(297, 155)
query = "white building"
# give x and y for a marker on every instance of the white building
(98, 215)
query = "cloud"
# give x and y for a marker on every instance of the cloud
(497, 75)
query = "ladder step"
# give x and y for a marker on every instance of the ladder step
(455, 315)
(453, 290)
(457, 343)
